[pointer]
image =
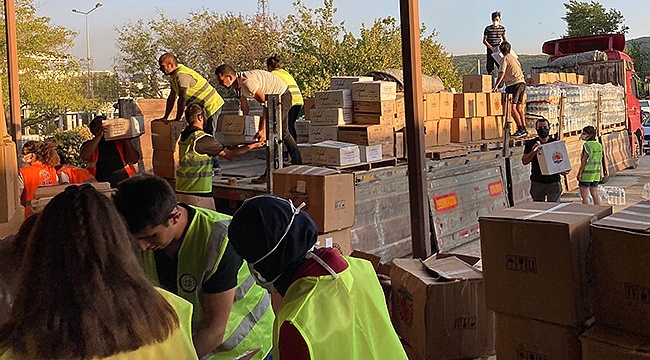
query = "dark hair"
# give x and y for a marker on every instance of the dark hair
(505, 47)
(97, 119)
(496, 14)
(96, 300)
(168, 56)
(30, 147)
(274, 62)
(542, 119)
(45, 152)
(144, 200)
(225, 69)
(192, 111)
(591, 131)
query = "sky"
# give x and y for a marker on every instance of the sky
(459, 23)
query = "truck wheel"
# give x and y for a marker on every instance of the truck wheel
(636, 151)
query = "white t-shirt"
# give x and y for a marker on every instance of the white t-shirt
(253, 80)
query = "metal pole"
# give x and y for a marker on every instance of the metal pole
(88, 63)
(273, 137)
(413, 99)
(12, 59)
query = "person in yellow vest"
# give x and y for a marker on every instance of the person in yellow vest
(186, 251)
(274, 65)
(190, 88)
(80, 292)
(333, 306)
(590, 165)
(196, 149)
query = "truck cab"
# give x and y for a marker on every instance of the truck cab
(618, 69)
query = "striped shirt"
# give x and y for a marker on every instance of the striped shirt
(494, 34)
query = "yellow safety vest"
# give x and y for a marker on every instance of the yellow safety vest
(250, 323)
(296, 95)
(344, 318)
(201, 93)
(591, 172)
(178, 346)
(194, 174)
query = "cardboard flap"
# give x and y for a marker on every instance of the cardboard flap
(449, 269)
(307, 170)
(563, 213)
(51, 191)
(635, 217)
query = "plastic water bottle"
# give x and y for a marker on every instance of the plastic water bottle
(623, 200)
(646, 192)
(602, 193)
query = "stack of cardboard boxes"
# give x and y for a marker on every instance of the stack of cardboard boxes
(164, 139)
(548, 78)
(237, 129)
(438, 112)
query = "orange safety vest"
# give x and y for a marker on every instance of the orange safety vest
(92, 165)
(34, 176)
(77, 175)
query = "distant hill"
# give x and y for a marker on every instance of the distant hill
(467, 63)
(645, 42)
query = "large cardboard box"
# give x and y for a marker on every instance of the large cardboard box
(329, 194)
(459, 131)
(238, 125)
(602, 343)
(399, 122)
(552, 77)
(537, 79)
(432, 106)
(302, 139)
(374, 119)
(481, 104)
(571, 78)
(439, 308)
(366, 134)
(165, 163)
(475, 125)
(307, 106)
(444, 131)
(340, 240)
(302, 127)
(399, 103)
(489, 129)
(386, 107)
(494, 104)
(323, 133)
(446, 104)
(519, 338)
(335, 153)
(400, 145)
(371, 153)
(345, 82)
(553, 158)
(620, 253)
(536, 261)
(374, 91)
(305, 153)
(430, 133)
(123, 128)
(464, 105)
(331, 116)
(477, 83)
(334, 99)
(563, 77)
(166, 136)
(580, 79)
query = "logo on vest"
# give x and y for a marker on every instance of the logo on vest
(187, 283)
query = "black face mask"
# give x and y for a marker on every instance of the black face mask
(542, 133)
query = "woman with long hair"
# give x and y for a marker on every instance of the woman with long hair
(82, 294)
(39, 157)
(590, 165)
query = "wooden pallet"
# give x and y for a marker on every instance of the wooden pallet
(365, 166)
(490, 144)
(610, 128)
(572, 133)
(441, 152)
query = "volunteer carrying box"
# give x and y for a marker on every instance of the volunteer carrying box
(165, 136)
(123, 128)
(553, 158)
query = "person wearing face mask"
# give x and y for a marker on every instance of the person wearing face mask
(542, 187)
(590, 165)
(493, 35)
(38, 156)
(186, 251)
(333, 306)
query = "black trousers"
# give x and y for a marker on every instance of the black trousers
(490, 62)
(287, 138)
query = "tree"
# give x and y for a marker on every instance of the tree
(591, 18)
(639, 51)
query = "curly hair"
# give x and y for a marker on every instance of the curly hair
(274, 62)
(45, 152)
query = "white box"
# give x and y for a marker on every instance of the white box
(345, 82)
(335, 153)
(333, 99)
(302, 127)
(333, 116)
(124, 128)
(553, 158)
(323, 133)
(238, 125)
(374, 91)
(370, 153)
(305, 153)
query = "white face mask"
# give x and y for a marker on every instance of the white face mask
(496, 23)
(584, 137)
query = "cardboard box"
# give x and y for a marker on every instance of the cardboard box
(366, 134)
(489, 128)
(430, 133)
(580, 79)
(123, 128)
(459, 131)
(553, 158)
(432, 106)
(307, 106)
(475, 125)
(165, 163)
(9, 196)
(166, 136)
(373, 119)
(238, 125)
(329, 194)
(602, 343)
(374, 91)
(335, 153)
(520, 338)
(323, 133)
(45, 194)
(446, 104)
(533, 274)
(305, 153)
(537, 79)
(477, 83)
(563, 77)
(620, 254)
(345, 82)
(371, 153)
(334, 99)
(481, 104)
(500, 125)
(444, 131)
(441, 319)
(387, 147)
(464, 105)
(571, 78)
(399, 122)
(552, 77)
(399, 103)
(494, 104)
(400, 145)
(375, 107)
(302, 139)
(340, 240)
(330, 117)
(302, 127)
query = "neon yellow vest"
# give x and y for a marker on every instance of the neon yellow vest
(296, 95)
(250, 323)
(177, 346)
(201, 93)
(591, 172)
(194, 174)
(344, 318)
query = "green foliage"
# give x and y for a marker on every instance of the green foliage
(70, 142)
(591, 18)
(639, 51)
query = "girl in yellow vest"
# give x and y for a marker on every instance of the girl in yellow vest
(590, 165)
(274, 65)
(333, 306)
(81, 293)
